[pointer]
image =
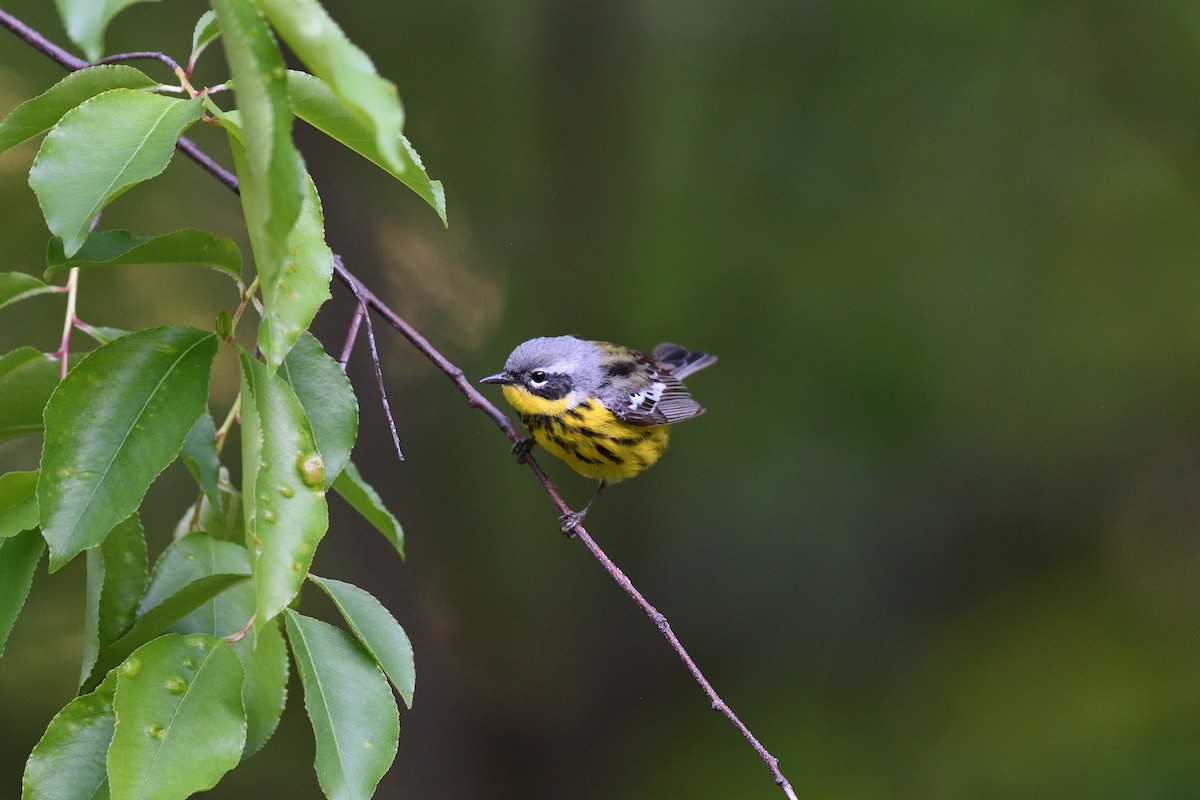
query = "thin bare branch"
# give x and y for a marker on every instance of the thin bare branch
(140, 54)
(352, 334)
(387, 407)
(40, 42)
(477, 400)
(367, 300)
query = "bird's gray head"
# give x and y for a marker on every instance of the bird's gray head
(552, 367)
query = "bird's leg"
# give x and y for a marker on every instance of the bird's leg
(568, 522)
(522, 448)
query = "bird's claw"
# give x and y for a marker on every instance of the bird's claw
(522, 448)
(568, 522)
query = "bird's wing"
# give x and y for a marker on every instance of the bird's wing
(679, 361)
(653, 396)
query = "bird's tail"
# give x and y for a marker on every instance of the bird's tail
(680, 361)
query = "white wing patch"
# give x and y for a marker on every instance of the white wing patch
(647, 398)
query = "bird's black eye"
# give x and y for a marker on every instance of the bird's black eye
(538, 377)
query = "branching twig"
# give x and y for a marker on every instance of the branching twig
(352, 334)
(477, 400)
(141, 54)
(367, 301)
(356, 287)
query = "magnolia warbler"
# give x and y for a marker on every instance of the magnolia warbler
(603, 408)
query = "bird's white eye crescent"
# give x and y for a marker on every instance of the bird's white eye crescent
(538, 378)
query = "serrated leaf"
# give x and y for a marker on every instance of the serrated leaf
(116, 578)
(262, 652)
(377, 630)
(159, 619)
(36, 116)
(264, 692)
(17, 286)
(18, 558)
(363, 498)
(116, 421)
(354, 716)
(18, 503)
(319, 42)
(111, 248)
(295, 286)
(99, 150)
(316, 103)
(27, 378)
(274, 172)
(180, 720)
(68, 762)
(205, 33)
(328, 400)
(199, 455)
(189, 559)
(86, 21)
(284, 476)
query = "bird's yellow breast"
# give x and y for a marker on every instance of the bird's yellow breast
(593, 440)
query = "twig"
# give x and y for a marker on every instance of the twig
(237, 637)
(367, 300)
(64, 347)
(477, 400)
(356, 287)
(140, 54)
(189, 149)
(40, 42)
(352, 334)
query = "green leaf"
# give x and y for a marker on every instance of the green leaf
(86, 20)
(263, 654)
(221, 521)
(17, 286)
(264, 693)
(18, 558)
(18, 503)
(180, 720)
(318, 41)
(116, 421)
(159, 619)
(99, 150)
(189, 559)
(363, 498)
(283, 487)
(27, 378)
(316, 103)
(274, 172)
(292, 295)
(68, 762)
(116, 578)
(293, 288)
(101, 334)
(199, 455)
(353, 713)
(328, 399)
(378, 631)
(36, 116)
(110, 248)
(205, 33)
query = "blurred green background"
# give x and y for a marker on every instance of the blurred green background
(936, 536)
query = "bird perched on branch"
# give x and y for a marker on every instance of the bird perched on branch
(604, 409)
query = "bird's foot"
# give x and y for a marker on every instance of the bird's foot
(522, 448)
(568, 522)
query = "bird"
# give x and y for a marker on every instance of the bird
(603, 408)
